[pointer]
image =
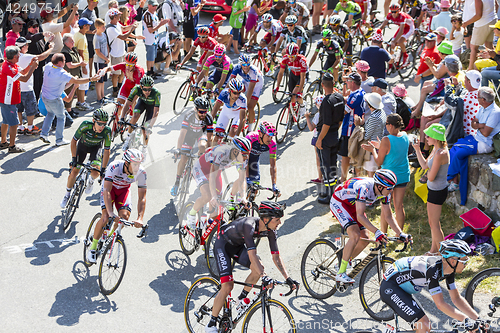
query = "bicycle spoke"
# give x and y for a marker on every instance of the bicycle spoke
(112, 267)
(278, 319)
(318, 268)
(198, 304)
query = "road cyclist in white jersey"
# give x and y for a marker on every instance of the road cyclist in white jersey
(115, 191)
(273, 29)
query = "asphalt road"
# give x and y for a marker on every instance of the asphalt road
(45, 286)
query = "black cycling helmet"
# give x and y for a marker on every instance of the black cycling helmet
(201, 103)
(100, 115)
(270, 209)
(147, 81)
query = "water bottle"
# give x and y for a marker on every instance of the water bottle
(104, 235)
(203, 221)
(242, 305)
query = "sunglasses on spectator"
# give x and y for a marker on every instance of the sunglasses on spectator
(34, 26)
(100, 124)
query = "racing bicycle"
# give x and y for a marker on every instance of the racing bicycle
(114, 120)
(183, 192)
(483, 294)
(291, 114)
(136, 135)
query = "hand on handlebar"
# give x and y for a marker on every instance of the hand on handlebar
(407, 238)
(214, 202)
(381, 237)
(267, 282)
(275, 90)
(73, 163)
(138, 224)
(176, 153)
(292, 283)
(276, 191)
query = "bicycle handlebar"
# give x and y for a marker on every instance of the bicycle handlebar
(392, 239)
(258, 187)
(125, 222)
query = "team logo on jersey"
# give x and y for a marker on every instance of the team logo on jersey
(388, 291)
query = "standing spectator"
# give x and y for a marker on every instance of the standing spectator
(74, 65)
(101, 59)
(190, 12)
(430, 51)
(12, 35)
(28, 98)
(379, 86)
(255, 11)
(331, 113)
(317, 9)
(238, 10)
(10, 95)
(376, 56)
(217, 22)
(81, 46)
(173, 11)
(135, 15)
(112, 4)
(362, 68)
(73, 28)
(89, 14)
(55, 78)
(50, 24)
(457, 34)
(443, 19)
(150, 26)
(311, 124)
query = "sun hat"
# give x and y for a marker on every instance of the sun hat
(400, 90)
(362, 66)
(445, 47)
(436, 131)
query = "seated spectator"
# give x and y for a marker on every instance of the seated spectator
(486, 124)
(487, 56)
(430, 51)
(441, 33)
(164, 53)
(439, 70)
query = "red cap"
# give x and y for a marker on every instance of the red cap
(219, 17)
(44, 13)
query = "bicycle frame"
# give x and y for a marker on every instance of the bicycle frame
(113, 237)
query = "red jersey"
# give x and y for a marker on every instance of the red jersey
(214, 31)
(132, 79)
(10, 87)
(431, 53)
(401, 18)
(208, 45)
(298, 66)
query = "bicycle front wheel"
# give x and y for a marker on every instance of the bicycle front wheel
(182, 97)
(283, 124)
(369, 290)
(302, 121)
(199, 302)
(278, 97)
(89, 237)
(70, 209)
(278, 318)
(112, 267)
(257, 116)
(483, 292)
(187, 237)
(318, 269)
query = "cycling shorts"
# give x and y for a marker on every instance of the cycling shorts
(82, 150)
(140, 107)
(225, 117)
(216, 76)
(187, 146)
(294, 81)
(224, 253)
(345, 213)
(201, 174)
(268, 36)
(125, 90)
(400, 301)
(407, 32)
(253, 169)
(119, 197)
(329, 63)
(257, 89)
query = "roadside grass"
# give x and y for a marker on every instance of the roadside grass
(416, 224)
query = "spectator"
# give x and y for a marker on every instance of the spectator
(429, 9)
(112, 4)
(74, 65)
(255, 11)
(101, 59)
(28, 98)
(238, 10)
(150, 26)
(89, 14)
(430, 51)
(217, 22)
(403, 107)
(487, 56)
(331, 113)
(73, 28)
(317, 9)
(486, 124)
(190, 12)
(376, 56)
(55, 78)
(12, 35)
(443, 19)
(173, 11)
(311, 124)
(379, 86)
(437, 167)
(164, 54)
(457, 34)
(50, 24)
(83, 50)
(135, 15)
(439, 70)
(10, 95)
(470, 100)
(441, 33)
(277, 10)
(362, 68)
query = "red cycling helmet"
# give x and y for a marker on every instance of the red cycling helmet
(292, 49)
(131, 58)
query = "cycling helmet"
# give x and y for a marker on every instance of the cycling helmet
(318, 100)
(270, 209)
(291, 19)
(395, 6)
(292, 49)
(147, 81)
(267, 128)
(454, 248)
(203, 31)
(244, 59)
(335, 19)
(242, 144)
(201, 103)
(133, 155)
(219, 49)
(267, 17)
(327, 33)
(100, 115)
(385, 177)
(131, 58)
(235, 85)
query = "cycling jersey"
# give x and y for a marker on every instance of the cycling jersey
(351, 8)
(87, 136)
(299, 10)
(341, 34)
(412, 3)
(254, 75)
(229, 111)
(258, 148)
(131, 78)
(400, 19)
(275, 28)
(224, 66)
(354, 105)
(195, 128)
(332, 49)
(152, 99)
(297, 66)
(298, 34)
(115, 173)
(208, 45)
(432, 11)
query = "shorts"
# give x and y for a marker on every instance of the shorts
(331, 4)
(151, 52)
(97, 67)
(9, 114)
(236, 34)
(201, 174)
(251, 21)
(437, 197)
(468, 30)
(85, 86)
(253, 169)
(257, 89)
(482, 34)
(226, 117)
(216, 75)
(268, 36)
(355, 18)
(400, 301)
(116, 61)
(344, 146)
(370, 165)
(188, 28)
(82, 150)
(119, 196)
(329, 63)
(187, 146)
(141, 106)
(125, 90)
(224, 253)
(91, 48)
(407, 32)
(294, 81)
(402, 185)
(345, 213)
(28, 103)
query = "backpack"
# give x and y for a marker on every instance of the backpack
(106, 34)
(403, 110)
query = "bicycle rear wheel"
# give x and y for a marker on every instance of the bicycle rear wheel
(199, 302)
(278, 318)
(278, 97)
(89, 237)
(70, 209)
(283, 124)
(483, 292)
(301, 120)
(182, 97)
(112, 267)
(256, 61)
(318, 269)
(411, 66)
(187, 237)
(369, 290)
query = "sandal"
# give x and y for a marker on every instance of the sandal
(431, 254)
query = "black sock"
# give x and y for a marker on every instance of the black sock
(212, 322)
(243, 294)
(115, 89)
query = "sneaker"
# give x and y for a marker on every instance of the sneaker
(4, 145)
(45, 139)
(64, 201)
(15, 149)
(174, 190)
(34, 131)
(343, 277)
(453, 187)
(126, 143)
(212, 329)
(168, 71)
(91, 256)
(62, 143)
(191, 221)
(90, 186)
(21, 130)
(84, 106)
(405, 59)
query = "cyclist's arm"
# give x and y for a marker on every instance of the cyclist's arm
(462, 304)
(221, 81)
(216, 108)
(242, 173)
(106, 193)
(202, 74)
(361, 216)
(302, 81)
(447, 309)
(141, 207)
(126, 107)
(400, 32)
(280, 40)
(243, 115)
(73, 147)
(273, 169)
(337, 61)
(209, 139)
(385, 212)
(280, 265)
(382, 26)
(105, 159)
(212, 182)
(182, 136)
(299, 40)
(280, 76)
(313, 59)
(189, 55)
(255, 263)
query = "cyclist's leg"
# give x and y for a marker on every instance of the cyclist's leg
(138, 110)
(95, 162)
(149, 119)
(242, 258)
(201, 174)
(253, 169)
(222, 123)
(213, 79)
(293, 81)
(81, 154)
(123, 205)
(251, 110)
(265, 40)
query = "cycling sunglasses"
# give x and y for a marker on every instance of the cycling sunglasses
(234, 92)
(200, 111)
(394, 11)
(291, 25)
(146, 89)
(100, 124)
(245, 65)
(218, 56)
(464, 261)
(129, 65)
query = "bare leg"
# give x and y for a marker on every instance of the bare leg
(434, 213)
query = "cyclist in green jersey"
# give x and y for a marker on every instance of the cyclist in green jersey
(352, 10)
(333, 51)
(88, 138)
(145, 98)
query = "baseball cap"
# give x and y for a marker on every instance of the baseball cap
(219, 17)
(381, 83)
(153, 3)
(474, 78)
(436, 131)
(32, 23)
(496, 26)
(431, 36)
(445, 4)
(44, 13)
(84, 21)
(355, 77)
(442, 31)
(21, 41)
(445, 47)
(17, 20)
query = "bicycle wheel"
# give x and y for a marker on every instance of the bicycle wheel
(318, 269)
(70, 209)
(277, 315)
(283, 124)
(369, 290)
(89, 237)
(182, 97)
(112, 267)
(124, 129)
(187, 237)
(408, 70)
(199, 302)
(278, 97)
(314, 88)
(482, 291)
(183, 191)
(301, 121)
(257, 116)
(256, 61)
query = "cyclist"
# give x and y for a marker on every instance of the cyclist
(253, 80)
(406, 28)
(299, 9)
(207, 173)
(413, 7)
(144, 97)
(237, 242)
(206, 44)
(297, 64)
(197, 127)
(349, 202)
(223, 68)
(351, 9)
(273, 29)
(333, 52)
(115, 190)
(430, 8)
(88, 138)
(293, 34)
(342, 36)
(366, 8)
(409, 275)
(234, 108)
